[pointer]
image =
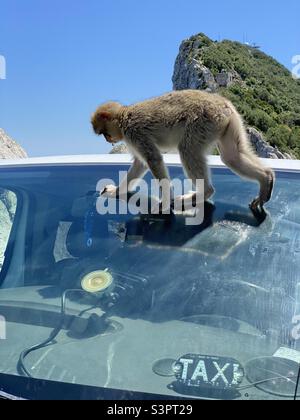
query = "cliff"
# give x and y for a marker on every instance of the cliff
(263, 90)
(9, 149)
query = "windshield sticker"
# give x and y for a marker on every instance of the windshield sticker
(289, 354)
(195, 371)
(2, 328)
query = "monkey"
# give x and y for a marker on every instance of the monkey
(191, 121)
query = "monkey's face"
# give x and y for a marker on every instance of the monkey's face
(112, 132)
(105, 123)
(109, 130)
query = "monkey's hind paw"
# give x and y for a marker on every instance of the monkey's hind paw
(258, 210)
(256, 204)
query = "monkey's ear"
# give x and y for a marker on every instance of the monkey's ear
(106, 116)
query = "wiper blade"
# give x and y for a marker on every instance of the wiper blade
(5, 396)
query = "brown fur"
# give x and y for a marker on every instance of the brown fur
(193, 122)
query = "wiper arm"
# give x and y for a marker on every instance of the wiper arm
(5, 396)
(287, 378)
(297, 385)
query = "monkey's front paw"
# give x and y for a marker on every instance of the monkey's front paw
(188, 201)
(182, 202)
(110, 191)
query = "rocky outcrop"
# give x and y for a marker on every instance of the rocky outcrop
(225, 79)
(262, 148)
(191, 73)
(120, 149)
(9, 149)
(7, 211)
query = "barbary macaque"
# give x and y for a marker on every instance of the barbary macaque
(192, 122)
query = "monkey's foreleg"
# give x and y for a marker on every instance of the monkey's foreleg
(154, 160)
(137, 170)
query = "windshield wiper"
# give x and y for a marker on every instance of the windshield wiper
(5, 396)
(297, 385)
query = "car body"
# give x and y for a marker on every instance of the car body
(205, 312)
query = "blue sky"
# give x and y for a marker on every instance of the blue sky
(64, 57)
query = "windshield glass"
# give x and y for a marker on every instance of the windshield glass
(123, 302)
(8, 203)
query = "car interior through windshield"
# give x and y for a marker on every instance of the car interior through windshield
(136, 304)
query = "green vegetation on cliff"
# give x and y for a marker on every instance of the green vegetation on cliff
(263, 91)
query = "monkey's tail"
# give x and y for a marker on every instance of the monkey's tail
(238, 133)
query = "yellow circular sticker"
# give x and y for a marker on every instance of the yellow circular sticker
(97, 281)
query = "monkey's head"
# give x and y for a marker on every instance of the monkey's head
(105, 122)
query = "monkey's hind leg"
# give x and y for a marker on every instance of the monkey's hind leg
(236, 153)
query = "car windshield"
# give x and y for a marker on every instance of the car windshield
(122, 302)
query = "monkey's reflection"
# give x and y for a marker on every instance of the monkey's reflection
(167, 230)
(172, 231)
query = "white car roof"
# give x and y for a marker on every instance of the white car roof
(214, 161)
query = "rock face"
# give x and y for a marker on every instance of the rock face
(191, 73)
(262, 148)
(8, 204)
(225, 78)
(120, 149)
(9, 149)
